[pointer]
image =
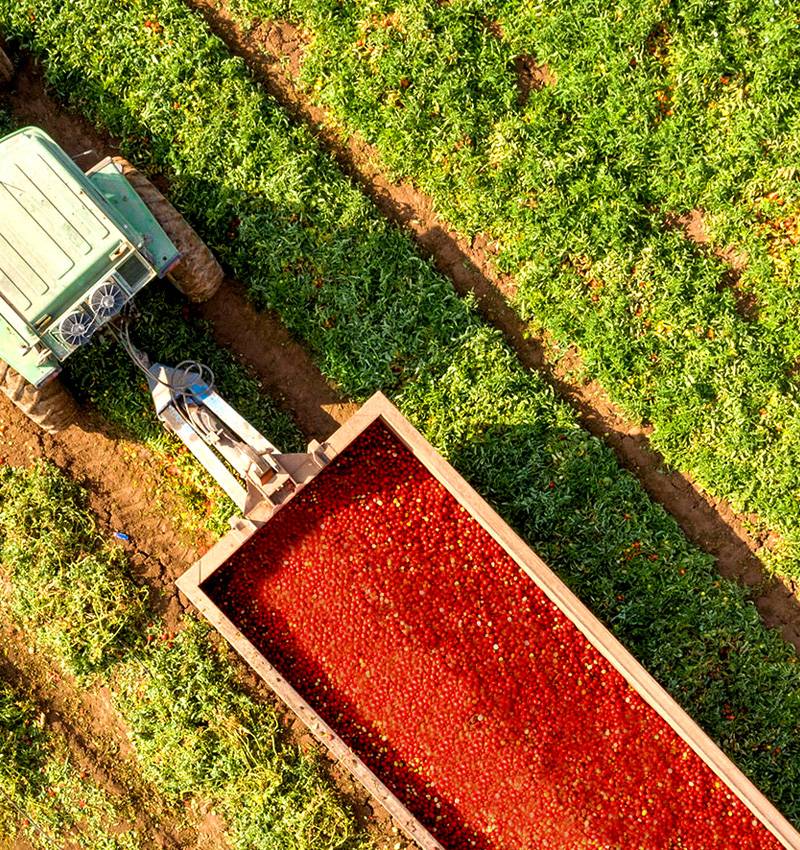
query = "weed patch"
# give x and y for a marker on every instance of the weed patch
(66, 583)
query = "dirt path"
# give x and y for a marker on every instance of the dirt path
(284, 368)
(274, 50)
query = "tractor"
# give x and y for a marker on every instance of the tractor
(75, 250)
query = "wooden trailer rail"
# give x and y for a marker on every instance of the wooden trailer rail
(315, 724)
(379, 407)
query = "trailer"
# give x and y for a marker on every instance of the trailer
(442, 662)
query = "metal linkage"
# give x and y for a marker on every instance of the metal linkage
(225, 443)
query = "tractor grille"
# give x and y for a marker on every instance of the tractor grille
(134, 272)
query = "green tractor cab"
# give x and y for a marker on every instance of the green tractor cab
(75, 249)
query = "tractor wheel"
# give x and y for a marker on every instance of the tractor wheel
(6, 68)
(198, 275)
(50, 407)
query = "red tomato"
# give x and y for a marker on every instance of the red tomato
(445, 667)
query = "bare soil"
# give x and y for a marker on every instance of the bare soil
(531, 76)
(284, 368)
(274, 51)
(6, 68)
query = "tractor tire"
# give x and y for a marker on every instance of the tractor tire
(198, 275)
(6, 68)
(50, 407)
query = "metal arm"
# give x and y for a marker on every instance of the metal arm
(225, 443)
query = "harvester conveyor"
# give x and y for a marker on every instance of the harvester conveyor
(221, 439)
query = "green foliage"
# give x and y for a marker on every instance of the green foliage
(376, 316)
(197, 733)
(651, 110)
(6, 122)
(67, 583)
(43, 797)
(21, 754)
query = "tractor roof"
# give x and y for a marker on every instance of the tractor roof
(54, 238)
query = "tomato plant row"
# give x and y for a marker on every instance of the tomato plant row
(587, 143)
(375, 316)
(448, 669)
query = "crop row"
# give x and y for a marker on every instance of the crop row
(375, 315)
(197, 735)
(587, 141)
(44, 797)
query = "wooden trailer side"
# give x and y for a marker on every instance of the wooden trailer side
(379, 407)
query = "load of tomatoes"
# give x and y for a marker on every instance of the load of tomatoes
(450, 673)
